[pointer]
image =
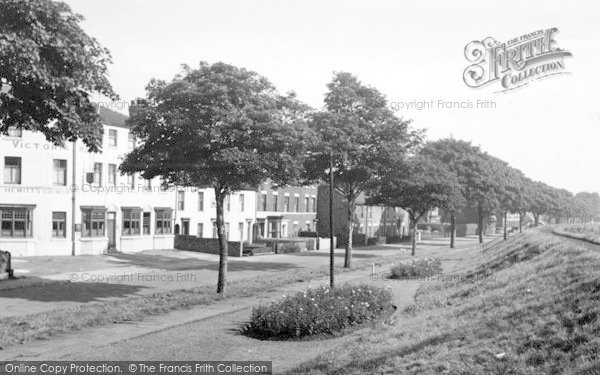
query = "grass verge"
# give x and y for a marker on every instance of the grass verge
(585, 232)
(538, 314)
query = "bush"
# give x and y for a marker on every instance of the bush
(319, 311)
(416, 268)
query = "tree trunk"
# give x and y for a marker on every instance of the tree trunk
(452, 229)
(350, 230)
(536, 219)
(520, 222)
(413, 229)
(480, 224)
(505, 232)
(223, 246)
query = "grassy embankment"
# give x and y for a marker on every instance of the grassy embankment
(532, 306)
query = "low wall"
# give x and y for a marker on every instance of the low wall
(290, 245)
(463, 230)
(206, 245)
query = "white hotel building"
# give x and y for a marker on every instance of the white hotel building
(45, 189)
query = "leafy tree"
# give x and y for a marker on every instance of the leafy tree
(48, 68)
(510, 192)
(590, 205)
(423, 185)
(364, 137)
(467, 163)
(541, 200)
(218, 126)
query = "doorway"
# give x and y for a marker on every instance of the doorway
(111, 229)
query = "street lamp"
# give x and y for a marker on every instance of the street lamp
(331, 240)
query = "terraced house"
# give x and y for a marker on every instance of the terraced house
(285, 212)
(64, 200)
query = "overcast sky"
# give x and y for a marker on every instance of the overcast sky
(409, 50)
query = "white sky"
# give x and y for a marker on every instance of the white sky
(409, 50)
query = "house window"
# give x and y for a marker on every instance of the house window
(112, 138)
(201, 201)
(131, 140)
(12, 170)
(94, 222)
(296, 204)
(263, 202)
(112, 174)
(181, 200)
(242, 202)
(131, 181)
(14, 131)
(163, 221)
(200, 230)
(215, 230)
(286, 203)
(313, 204)
(306, 204)
(241, 231)
(60, 172)
(59, 224)
(295, 229)
(275, 202)
(146, 223)
(98, 173)
(149, 184)
(15, 222)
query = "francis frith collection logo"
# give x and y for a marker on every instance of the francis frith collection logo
(514, 63)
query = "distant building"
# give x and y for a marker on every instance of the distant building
(285, 212)
(370, 221)
(195, 213)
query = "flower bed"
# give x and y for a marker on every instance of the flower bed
(416, 268)
(319, 311)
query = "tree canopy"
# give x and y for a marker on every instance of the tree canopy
(49, 67)
(218, 126)
(364, 137)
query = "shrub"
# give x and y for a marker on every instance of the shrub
(416, 268)
(319, 311)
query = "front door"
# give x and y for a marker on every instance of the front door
(111, 229)
(185, 226)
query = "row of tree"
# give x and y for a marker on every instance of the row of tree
(228, 128)
(454, 175)
(225, 127)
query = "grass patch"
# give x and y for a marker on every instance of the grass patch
(537, 315)
(319, 311)
(17, 330)
(416, 268)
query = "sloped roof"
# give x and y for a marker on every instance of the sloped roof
(112, 118)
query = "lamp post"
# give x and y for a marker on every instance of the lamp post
(331, 240)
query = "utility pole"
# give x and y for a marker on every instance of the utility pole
(73, 197)
(331, 240)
